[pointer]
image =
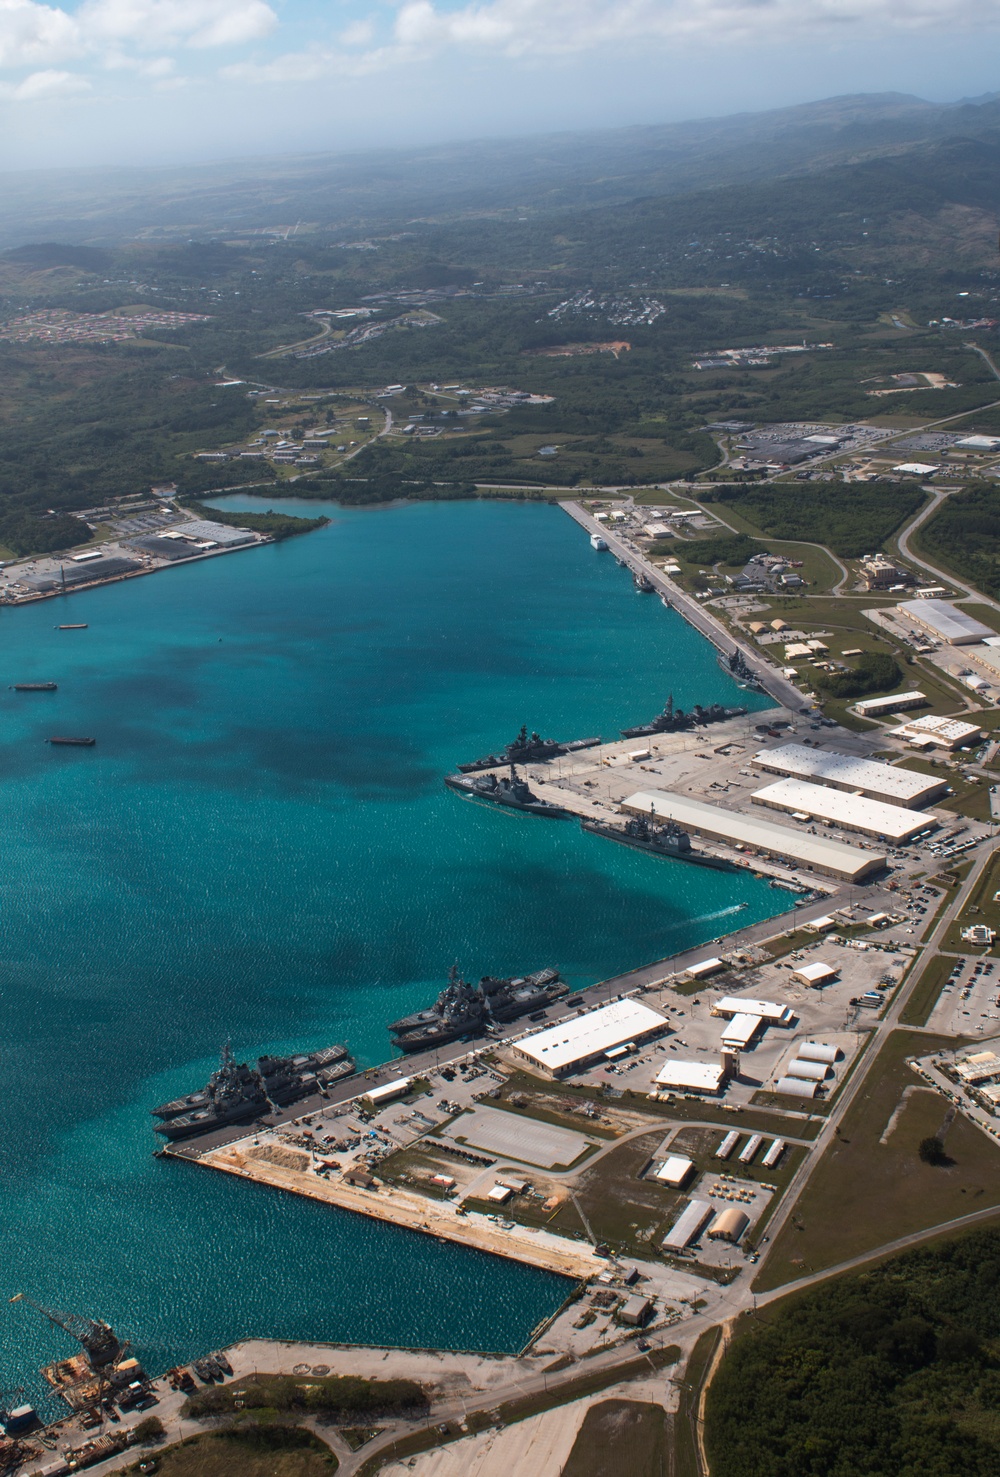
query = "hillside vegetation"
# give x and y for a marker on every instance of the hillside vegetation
(894, 1372)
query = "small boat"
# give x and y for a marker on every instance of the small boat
(223, 1363)
(33, 687)
(81, 627)
(80, 743)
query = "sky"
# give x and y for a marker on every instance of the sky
(107, 82)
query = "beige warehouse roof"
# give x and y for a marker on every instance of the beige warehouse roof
(845, 772)
(833, 857)
(853, 812)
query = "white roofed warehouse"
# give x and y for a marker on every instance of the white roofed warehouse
(953, 626)
(850, 812)
(581, 1040)
(886, 782)
(814, 853)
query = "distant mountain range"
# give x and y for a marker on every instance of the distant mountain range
(855, 149)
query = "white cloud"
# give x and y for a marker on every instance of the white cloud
(520, 27)
(422, 29)
(42, 85)
(154, 24)
(31, 33)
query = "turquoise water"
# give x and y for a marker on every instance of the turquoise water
(260, 847)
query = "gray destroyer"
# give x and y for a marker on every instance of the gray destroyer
(463, 1009)
(527, 748)
(662, 838)
(503, 790)
(238, 1093)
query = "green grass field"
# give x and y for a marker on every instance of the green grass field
(918, 1008)
(864, 1193)
(231, 1455)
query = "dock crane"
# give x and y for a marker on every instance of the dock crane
(98, 1340)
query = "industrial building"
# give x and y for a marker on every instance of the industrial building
(689, 1225)
(636, 1310)
(849, 812)
(770, 1013)
(729, 1225)
(807, 1071)
(813, 853)
(931, 732)
(581, 1040)
(796, 1087)
(675, 1171)
(815, 974)
(677, 1076)
(741, 1031)
(897, 702)
(860, 776)
(818, 1051)
(951, 625)
(68, 576)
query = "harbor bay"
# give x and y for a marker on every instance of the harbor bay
(260, 847)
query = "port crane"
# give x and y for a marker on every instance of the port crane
(98, 1340)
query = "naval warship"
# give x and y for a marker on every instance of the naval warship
(511, 791)
(462, 1009)
(237, 1092)
(675, 720)
(663, 838)
(738, 668)
(528, 748)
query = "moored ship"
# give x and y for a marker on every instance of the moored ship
(736, 665)
(237, 1092)
(675, 720)
(642, 582)
(662, 838)
(528, 748)
(511, 791)
(463, 1009)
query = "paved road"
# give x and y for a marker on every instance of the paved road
(696, 615)
(939, 494)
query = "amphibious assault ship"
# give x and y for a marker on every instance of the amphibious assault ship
(738, 668)
(511, 791)
(528, 748)
(675, 720)
(462, 1009)
(237, 1092)
(663, 838)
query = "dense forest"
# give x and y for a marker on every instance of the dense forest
(893, 1372)
(851, 520)
(965, 535)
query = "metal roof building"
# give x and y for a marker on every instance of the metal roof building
(931, 732)
(796, 1087)
(677, 1076)
(947, 621)
(740, 1031)
(814, 853)
(861, 776)
(816, 973)
(767, 1010)
(577, 1042)
(818, 1051)
(807, 1071)
(689, 1225)
(850, 812)
(729, 1225)
(872, 707)
(675, 1170)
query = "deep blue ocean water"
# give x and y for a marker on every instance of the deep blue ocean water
(260, 847)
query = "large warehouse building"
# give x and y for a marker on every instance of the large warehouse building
(860, 776)
(850, 812)
(814, 853)
(581, 1040)
(953, 626)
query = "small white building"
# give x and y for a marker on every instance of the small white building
(688, 1226)
(931, 732)
(741, 1031)
(807, 1071)
(815, 974)
(675, 1171)
(767, 1010)
(675, 1076)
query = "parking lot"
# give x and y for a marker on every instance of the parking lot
(968, 1003)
